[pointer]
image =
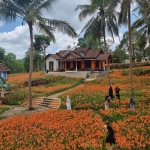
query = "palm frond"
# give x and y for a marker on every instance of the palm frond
(86, 11)
(138, 23)
(88, 24)
(61, 26)
(42, 4)
(46, 29)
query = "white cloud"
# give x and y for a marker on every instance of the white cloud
(1, 23)
(18, 40)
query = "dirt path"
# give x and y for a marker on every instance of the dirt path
(63, 92)
(18, 110)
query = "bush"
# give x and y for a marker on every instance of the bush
(141, 72)
(125, 72)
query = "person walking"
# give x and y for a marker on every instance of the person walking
(106, 103)
(132, 103)
(110, 92)
(68, 103)
(117, 90)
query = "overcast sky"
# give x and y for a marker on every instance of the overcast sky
(15, 38)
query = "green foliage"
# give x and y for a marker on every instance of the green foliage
(141, 72)
(118, 55)
(3, 109)
(127, 65)
(2, 55)
(16, 66)
(103, 143)
(125, 72)
(17, 97)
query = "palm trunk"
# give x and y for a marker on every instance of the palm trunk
(130, 48)
(31, 67)
(106, 56)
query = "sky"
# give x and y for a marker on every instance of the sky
(15, 38)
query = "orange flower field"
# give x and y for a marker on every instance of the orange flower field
(71, 129)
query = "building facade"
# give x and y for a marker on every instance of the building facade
(80, 59)
(4, 70)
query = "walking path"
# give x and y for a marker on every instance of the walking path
(18, 110)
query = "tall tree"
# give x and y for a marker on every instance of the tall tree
(125, 18)
(2, 54)
(40, 45)
(30, 11)
(103, 21)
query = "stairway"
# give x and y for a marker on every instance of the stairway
(52, 103)
(36, 101)
(45, 102)
(102, 74)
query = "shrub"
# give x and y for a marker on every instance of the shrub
(125, 72)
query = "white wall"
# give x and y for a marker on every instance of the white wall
(4, 75)
(55, 63)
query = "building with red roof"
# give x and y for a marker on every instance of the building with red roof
(80, 59)
(4, 70)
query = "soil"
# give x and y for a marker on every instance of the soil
(17, 110)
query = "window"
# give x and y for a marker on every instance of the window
(51, 65)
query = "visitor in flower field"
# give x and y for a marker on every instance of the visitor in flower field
(132, 103)
(110, 92)
(68, 103)
(110, 138)
(117, 90)
(106, 103)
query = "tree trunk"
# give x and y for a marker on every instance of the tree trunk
(130, 48)
(106, 56)
(30, 67)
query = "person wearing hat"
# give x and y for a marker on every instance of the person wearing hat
(106, 103)
(110, 138)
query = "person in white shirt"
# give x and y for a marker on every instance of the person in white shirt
(68, 103)
(106, 103)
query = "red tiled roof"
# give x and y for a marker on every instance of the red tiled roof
(80, 53)
(62, 52)
(103, 56)
(92, 53)
(55, 56)
(3, 67)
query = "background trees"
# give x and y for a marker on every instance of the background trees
(31, 13)
(40, 45)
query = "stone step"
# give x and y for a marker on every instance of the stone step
(55, 103)
(42, 104)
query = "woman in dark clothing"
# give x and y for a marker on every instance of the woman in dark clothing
(111, 92)
(117, 90)
(110, 135)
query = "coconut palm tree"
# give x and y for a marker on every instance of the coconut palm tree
(30, 11)
(125, 18)
(143, 23)
(102, 21)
